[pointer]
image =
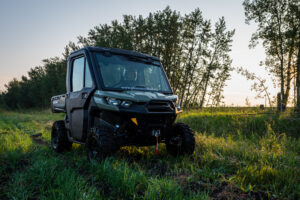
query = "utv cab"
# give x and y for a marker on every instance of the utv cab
(117, 98)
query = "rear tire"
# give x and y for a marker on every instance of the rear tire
(181, 141)
(59, 138)
(100, 144)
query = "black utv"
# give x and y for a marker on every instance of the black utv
(117, 98)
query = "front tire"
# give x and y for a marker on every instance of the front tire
(181, 140)
(59, 138)
(100, 144)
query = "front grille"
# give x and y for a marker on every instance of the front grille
(160, 106)
(154, 121)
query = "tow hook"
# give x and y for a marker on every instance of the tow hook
(156, 133)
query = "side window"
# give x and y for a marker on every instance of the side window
(88, 78)
(77, 74)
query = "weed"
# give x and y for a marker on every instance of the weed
(237, 156)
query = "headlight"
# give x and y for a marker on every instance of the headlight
(178, 107)
(113, 101)
(116, 102)
(126, 104)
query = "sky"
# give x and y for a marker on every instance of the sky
(33, 30)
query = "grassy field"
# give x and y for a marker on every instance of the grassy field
(238, 156)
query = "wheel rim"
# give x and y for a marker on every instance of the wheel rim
(176, 141)
(175, 144)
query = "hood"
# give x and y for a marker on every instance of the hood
(136, 96)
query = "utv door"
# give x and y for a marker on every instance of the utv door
(78, 97)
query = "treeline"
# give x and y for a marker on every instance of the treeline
(193, 52)
(36, 89)
(279, 31)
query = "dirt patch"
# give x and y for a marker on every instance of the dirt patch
(38, 140)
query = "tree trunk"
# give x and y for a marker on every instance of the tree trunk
(185, 83)
(298, 79)
(205, 89)
(289, 78)
(187, 72)
(281, 85)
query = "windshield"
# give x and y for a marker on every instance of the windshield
(131, 73)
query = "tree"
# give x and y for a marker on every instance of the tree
(294, 20)
(278, 28)
(218, 55)
(41, 83)
(258, 86)
(194, 54)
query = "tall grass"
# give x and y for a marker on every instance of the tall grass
(236, 156)
(224, 123)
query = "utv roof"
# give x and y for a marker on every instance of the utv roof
(118, 51)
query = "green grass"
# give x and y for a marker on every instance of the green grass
(236, 156)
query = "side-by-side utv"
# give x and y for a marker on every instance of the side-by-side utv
(117, 98)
